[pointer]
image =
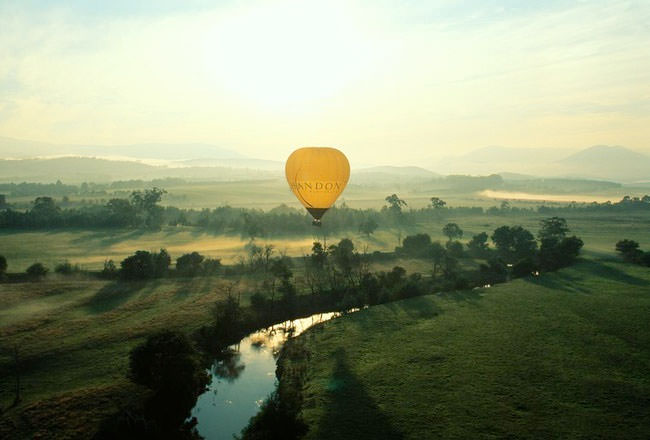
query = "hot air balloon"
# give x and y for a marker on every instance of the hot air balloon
(317, 176)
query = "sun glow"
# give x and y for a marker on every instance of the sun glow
(287, 57)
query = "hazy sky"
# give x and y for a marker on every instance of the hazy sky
(386, 81)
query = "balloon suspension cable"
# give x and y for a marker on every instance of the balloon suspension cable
(317, 222)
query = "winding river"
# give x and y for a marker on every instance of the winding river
(243, 377)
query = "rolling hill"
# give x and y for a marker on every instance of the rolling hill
(607, 162)
(600, 162)
(86, 169)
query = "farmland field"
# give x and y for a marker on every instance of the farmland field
(563, 356)
(90, 248)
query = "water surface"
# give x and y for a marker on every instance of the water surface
(243, 377)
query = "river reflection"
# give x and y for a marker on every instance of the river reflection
(243, 376)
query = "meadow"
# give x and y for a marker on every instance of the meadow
(566, 355)
(74, 333)
(90, 248)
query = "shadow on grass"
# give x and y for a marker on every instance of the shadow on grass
(109, 237)
(188, 286)
(419, 307)
(558, 281)
(609, 272)
(351, 412)
(113, 295)
(564, 280)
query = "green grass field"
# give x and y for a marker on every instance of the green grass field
(74, 337)
(566, 355)
(90, 248)
(74, 334)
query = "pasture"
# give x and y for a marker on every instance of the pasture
(74, 333)
(563, 356)
(90, 248)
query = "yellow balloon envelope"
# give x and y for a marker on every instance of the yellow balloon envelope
(317, 176)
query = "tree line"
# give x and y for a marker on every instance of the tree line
(142, 209)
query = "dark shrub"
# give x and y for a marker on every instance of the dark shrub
(645, 259)
(454, 248)
(557, 253)
(36, 271)
(170, 366)
(139, 266)
(211, 266)
(3, 266)
(514, 243)
(524, 268)
(478, 246)
(629, 250)
(495, 271)
(415, 245)
(189, 265)
(166, 361)
(65, 268)
(161, 262)
(109, 271)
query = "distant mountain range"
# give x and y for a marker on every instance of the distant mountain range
(44, 162)
(389, 175)
(22, 149)
(87, 169)
(598, 162)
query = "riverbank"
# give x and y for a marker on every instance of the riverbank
(564, 355)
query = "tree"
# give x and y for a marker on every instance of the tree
(449, 266)
(437, 203)
(37, 271)
(189, 265)
(452, 230)
(139, 266)
(146, 205)
(318, 255)
(415, 245)
(555, 253)
(169, 365)
(393, 278)
(629, 250)
(344, 256)
(165, 359)
(227, 320)
(45, 211)
(368, 226)
(437, 254)
(514, 243)
(211, 266)
(109, 271)
(3, 266)
(395, 203)
(454, 248)
(161, 262)
(524, 267)
(478, 246)
(253, 226)
(645, 259)
(66, 268)
(281, 270)
(121, 213)
(554, 227)
(267, 252)
(495, 271)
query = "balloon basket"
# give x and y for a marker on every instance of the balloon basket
(317, 223)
